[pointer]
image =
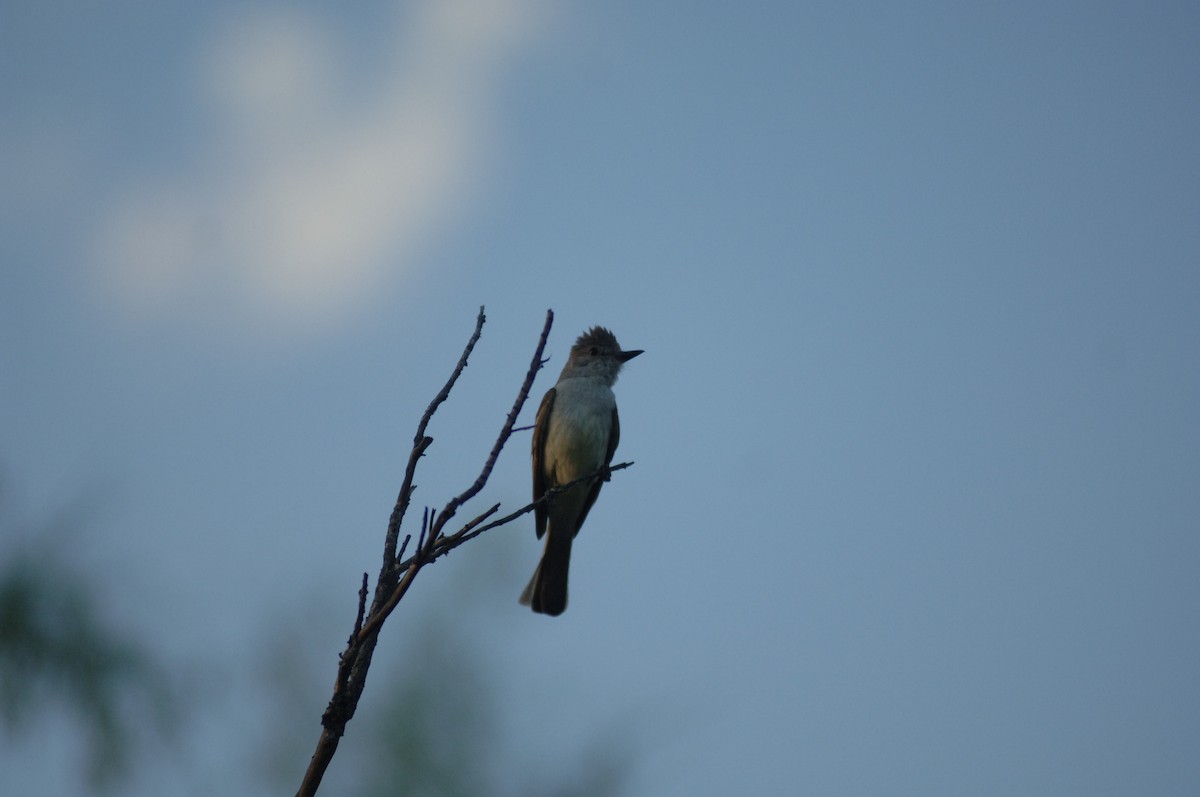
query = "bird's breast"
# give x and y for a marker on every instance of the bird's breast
(580, 425)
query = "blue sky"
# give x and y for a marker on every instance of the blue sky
(915, 507)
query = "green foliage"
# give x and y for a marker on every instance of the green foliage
(57, 653)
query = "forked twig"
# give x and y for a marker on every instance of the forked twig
(432, 543)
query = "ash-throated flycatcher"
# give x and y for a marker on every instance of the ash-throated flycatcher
(576, 433)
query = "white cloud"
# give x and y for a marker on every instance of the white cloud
(318, 187)
(152, 242)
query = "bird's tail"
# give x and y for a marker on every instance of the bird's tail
(547, 590)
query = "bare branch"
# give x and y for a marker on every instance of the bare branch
(431, 529)
(394, 580)
(454, 503)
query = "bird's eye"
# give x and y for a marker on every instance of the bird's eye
(593, 351)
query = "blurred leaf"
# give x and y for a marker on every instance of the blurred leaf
(56, 651)
(431, 721)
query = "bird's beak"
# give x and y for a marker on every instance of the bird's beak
(626, 356)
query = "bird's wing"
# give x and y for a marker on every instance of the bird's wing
(614, 437)
(541, 427)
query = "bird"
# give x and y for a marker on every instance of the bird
(576, 433)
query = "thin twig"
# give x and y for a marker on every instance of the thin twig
(420, 444)
(436, 548)
(362, 608)
(469, 531)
